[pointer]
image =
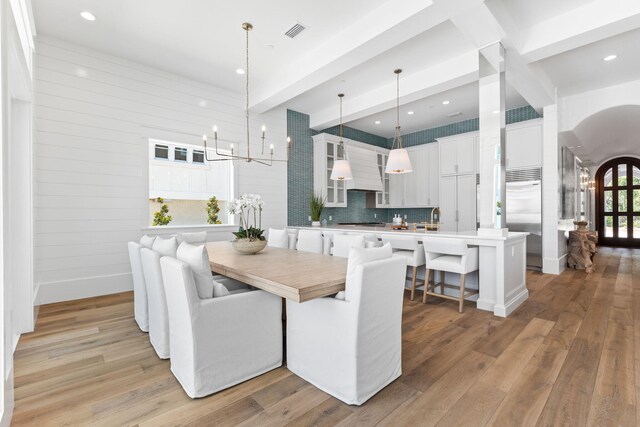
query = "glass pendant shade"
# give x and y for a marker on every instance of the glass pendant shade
(398, 162)
(341, 171)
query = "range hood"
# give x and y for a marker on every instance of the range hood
(364, 167)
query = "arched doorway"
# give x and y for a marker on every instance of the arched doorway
(618, 202)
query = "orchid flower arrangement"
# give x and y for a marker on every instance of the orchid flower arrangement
(248, 206)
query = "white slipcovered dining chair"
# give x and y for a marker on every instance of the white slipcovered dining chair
(452, 256)
(342, 243)
(140, 303)
(409, 248)
(196, 238)
(219, 342)
(278, 238)
(158, 316)
(351, 348)
(310, 241)
(293, 238)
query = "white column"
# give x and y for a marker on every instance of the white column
(553, 259)
(492, 140)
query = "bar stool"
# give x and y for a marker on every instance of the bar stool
(448, 256)
(407, 247)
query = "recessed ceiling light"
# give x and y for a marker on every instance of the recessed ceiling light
(239, 71)
(410, 113)
(496, 111)
(446, 102)
(88, 15)
(609, 58)
(377, 122)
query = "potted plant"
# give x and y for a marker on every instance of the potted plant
(316, 205)
(249, 238)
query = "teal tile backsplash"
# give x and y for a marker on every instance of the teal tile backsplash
(300, 168)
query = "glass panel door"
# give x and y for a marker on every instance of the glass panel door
(619, 202)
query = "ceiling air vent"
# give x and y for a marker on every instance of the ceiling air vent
(295, 30)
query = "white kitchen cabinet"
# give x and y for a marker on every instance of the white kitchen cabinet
(396, 190)
(458, 203)
(326, 150)
(524, 145)
(383, 197)
(421, 185)
(458, 154)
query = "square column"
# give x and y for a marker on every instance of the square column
(492, 140)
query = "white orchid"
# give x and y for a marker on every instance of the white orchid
(243, 207)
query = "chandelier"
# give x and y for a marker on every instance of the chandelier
(341, 168)
(398, 161)
(230, 156)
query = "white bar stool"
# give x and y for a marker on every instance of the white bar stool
(451, 256)
(407, 247)
(342, 244)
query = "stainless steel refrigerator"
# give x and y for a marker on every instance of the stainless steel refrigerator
(524, 210)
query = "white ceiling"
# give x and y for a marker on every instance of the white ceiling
(425, 50)
(200, 39)
(353, 47)
(530, 12)
(583, 69)
(430, 112)
(610, 133)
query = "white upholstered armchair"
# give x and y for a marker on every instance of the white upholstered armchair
(219, 342)
(351, 348)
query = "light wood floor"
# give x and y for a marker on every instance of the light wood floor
(569, 356)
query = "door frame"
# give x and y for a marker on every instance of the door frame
(599, 202)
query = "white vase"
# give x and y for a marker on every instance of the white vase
(246, 246)
(315, 223)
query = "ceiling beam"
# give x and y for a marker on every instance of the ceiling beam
(477, 21)
(581, 26)
(447, 75)
(378, 31)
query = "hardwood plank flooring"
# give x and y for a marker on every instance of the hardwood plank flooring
(569, 356)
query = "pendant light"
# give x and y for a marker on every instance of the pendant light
(341, 168)
(398, 161)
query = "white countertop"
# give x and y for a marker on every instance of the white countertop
(388, 230)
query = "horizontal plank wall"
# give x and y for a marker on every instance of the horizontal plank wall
(94, 114)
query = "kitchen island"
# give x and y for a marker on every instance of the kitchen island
(501, 279)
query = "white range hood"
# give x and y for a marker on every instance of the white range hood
(364, 167)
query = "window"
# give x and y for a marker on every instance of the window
(162, 151)
(198, 156)
(185, 184)
(180, 154)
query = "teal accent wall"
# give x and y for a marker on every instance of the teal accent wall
(300, 168)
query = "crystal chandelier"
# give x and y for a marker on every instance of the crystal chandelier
(398, 161)
(224, 156)
(341, 168)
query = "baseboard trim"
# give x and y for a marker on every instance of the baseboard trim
(86, 287)
(554, 266)
(512, 304)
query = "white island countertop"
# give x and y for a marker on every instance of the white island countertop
(471, 235)
(501, 279)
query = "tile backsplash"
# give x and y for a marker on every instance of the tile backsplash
(300, 168)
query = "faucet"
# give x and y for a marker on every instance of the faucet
(432, 212)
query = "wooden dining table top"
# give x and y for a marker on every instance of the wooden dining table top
(294, 275)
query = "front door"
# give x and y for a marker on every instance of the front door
(618, 202)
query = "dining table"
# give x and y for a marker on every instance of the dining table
(294, 275)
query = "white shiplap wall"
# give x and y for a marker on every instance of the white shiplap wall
(93, 116)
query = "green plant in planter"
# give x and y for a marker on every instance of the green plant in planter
(248, 206)
(161, 217)
(316, 205)
(212, 211)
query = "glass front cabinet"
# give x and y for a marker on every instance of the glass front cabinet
(382, 198)
(326, 150)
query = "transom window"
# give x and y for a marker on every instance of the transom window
(161, 151)
(180, 154)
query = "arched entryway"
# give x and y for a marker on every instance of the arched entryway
(618, 202)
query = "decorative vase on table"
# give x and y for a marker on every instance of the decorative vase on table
(315, 223)
(249, 238)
